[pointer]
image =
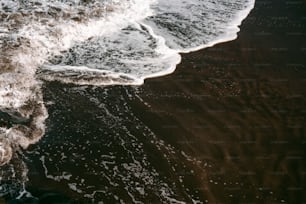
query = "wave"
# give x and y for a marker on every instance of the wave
(97, 43)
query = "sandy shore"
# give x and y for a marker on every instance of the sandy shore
(240, 107)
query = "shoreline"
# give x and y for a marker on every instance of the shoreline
(227, 126)
(236, 104)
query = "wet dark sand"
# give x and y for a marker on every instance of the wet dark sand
(228, 126)
(240, 106)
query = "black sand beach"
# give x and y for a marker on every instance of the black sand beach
(240, 106)
(228, 126)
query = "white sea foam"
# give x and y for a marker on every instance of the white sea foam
(193, 25)
(27, 41)
(5, 148)
(136, 40)
(148, 45)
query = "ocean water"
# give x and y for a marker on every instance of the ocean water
(97, 43)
